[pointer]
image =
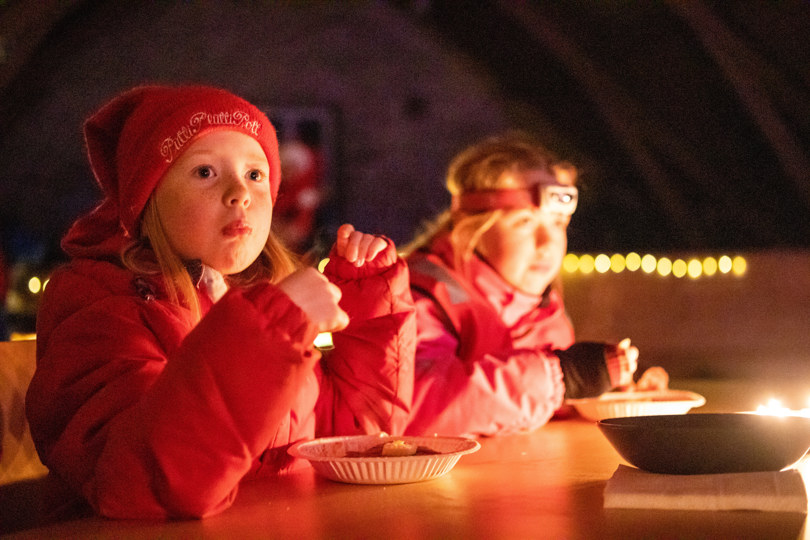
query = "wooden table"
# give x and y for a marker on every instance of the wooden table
(545, 484)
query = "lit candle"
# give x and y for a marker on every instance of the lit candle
(774, 407)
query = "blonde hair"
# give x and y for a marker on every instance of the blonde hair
(152, 254)
(479, 167)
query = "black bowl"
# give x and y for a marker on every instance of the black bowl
(708, 443)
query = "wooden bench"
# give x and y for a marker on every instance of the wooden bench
(29, 496)
(18, 458)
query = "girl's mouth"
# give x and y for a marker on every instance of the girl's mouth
(237, 228)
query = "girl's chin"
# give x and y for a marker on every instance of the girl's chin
(536, 291)
(234, 262)
(535, 286)
(230, 268)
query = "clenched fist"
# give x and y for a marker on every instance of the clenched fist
(316, 297)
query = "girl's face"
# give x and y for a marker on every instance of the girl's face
(214, 202)
(526, 246)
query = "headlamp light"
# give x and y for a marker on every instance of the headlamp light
(558, 199)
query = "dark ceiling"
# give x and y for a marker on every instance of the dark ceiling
(690, 119)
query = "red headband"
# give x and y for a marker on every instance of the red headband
(483, 201)
(557, 198)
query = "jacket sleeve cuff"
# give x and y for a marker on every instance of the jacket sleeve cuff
(585, 371)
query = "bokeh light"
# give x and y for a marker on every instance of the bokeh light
(664, 266)
(709, 266)
(34, 285)
(570, 263)
(692, 267)
(617, 262)
(633, 261)
(648, 263)
(586, 264)
(602, 263)
(739, 266)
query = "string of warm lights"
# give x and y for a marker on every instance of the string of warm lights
(602, 263)
(694, 267)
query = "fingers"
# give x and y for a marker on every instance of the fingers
(632, 357)
(655, 378)
(343, 234)
(374, 247)
(327, 315)
(630, 353)
(317, 297)
(337, 319)
(357, 247)
(340, 322)
(628, 364)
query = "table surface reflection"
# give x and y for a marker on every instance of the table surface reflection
(544, 484)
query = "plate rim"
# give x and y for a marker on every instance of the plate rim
(689, 397)
(295, 449)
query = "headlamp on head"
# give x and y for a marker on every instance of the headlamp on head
(558, 199)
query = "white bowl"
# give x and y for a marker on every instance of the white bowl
(328, 457)
(647, 403)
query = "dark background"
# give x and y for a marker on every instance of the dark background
(689, 120)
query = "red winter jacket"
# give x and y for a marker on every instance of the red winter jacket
(147, 415)
(490, 359)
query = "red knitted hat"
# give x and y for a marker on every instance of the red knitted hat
(134, 139)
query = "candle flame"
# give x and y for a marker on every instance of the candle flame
(774, 407)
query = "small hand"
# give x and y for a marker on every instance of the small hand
(628, 360)
(357, 247)
(654, 378)
(317, 297)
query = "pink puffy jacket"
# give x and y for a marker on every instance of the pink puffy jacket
(490, 359)
(147, 415)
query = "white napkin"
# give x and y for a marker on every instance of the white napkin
(780, 491)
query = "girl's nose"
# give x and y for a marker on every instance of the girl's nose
(237, 193)
(541, 236)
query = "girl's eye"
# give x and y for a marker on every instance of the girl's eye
(256, 174)
(204, 171)
(561, 221)
(523, 221)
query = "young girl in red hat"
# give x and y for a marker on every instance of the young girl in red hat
(496, 351)
(175, 351)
